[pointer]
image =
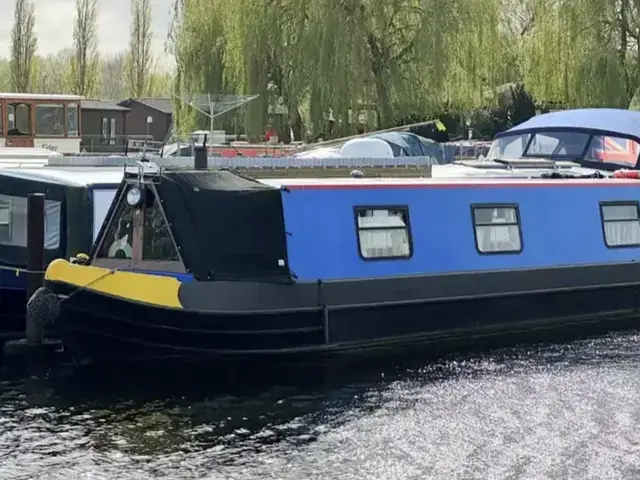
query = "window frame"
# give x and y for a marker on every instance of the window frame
(11, 203)
(617, 203)
(136, 262)
(30, 110)
(405, 208)
(518, 223)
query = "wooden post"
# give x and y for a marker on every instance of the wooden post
(35, 242)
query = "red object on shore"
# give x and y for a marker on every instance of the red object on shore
(626, 174)
(270, 133)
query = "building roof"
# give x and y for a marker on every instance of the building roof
(39, 96)
(162, 104)
(103, 105)
(609, 120)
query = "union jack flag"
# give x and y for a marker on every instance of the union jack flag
(615, 150)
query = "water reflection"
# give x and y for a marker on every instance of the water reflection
(548, 411)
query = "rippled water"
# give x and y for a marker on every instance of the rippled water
(547, 412)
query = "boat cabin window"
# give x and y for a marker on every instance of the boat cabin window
(621, 224)
(18, 119)
(622, 151)
(157, 243)
(13, 222)
(497, 228)
(118, 240)
(383, 232)
(102, 198)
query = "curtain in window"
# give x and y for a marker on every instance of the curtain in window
(384, 243)
(498, 238)
(622, 233)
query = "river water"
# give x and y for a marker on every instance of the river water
(563, 411)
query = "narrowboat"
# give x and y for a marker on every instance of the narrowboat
(220, 266)
(76, 203)
(201, 264)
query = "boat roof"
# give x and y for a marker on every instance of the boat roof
(612, 121)
(73, 176)
(328, 183)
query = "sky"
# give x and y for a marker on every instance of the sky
(54, 26)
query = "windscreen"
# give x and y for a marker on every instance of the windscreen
(102, 199)
(556, 144)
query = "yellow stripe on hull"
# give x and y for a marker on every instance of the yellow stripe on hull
(138, 287)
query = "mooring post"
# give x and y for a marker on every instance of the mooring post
(35, 242)
(35, 261)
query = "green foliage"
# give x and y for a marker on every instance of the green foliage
(85, 63)
(335, 67)
(139, 59)
(23, 46)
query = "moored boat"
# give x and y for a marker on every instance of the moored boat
(220, 265)
(76, 203)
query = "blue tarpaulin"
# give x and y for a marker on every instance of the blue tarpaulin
(608, 120)
(405, 144)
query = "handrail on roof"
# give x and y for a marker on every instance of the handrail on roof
(536, 163)
(512, 163)
(141, 170)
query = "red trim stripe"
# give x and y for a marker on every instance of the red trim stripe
(387, 186)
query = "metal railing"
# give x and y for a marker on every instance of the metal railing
(114, 145)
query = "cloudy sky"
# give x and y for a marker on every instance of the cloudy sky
(54, 25)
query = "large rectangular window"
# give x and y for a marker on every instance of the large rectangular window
(383, 232)
(49, 120)
(108, 131)
(497, 228)
(13, 222)
(18, 119)
(621, 224)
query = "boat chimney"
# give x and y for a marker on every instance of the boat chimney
(200, 160)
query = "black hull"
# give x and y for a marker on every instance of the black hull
(382, 314)
(12, 313)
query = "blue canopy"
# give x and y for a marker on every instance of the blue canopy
(607, 120)
(405, 144)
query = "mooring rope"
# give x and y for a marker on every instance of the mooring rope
(18, 271)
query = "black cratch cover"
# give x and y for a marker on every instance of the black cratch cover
(228, 227)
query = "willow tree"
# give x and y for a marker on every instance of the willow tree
(571, 54)
(197, 43)
(330, 61)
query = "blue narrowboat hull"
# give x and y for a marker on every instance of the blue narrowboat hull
(254, 319)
